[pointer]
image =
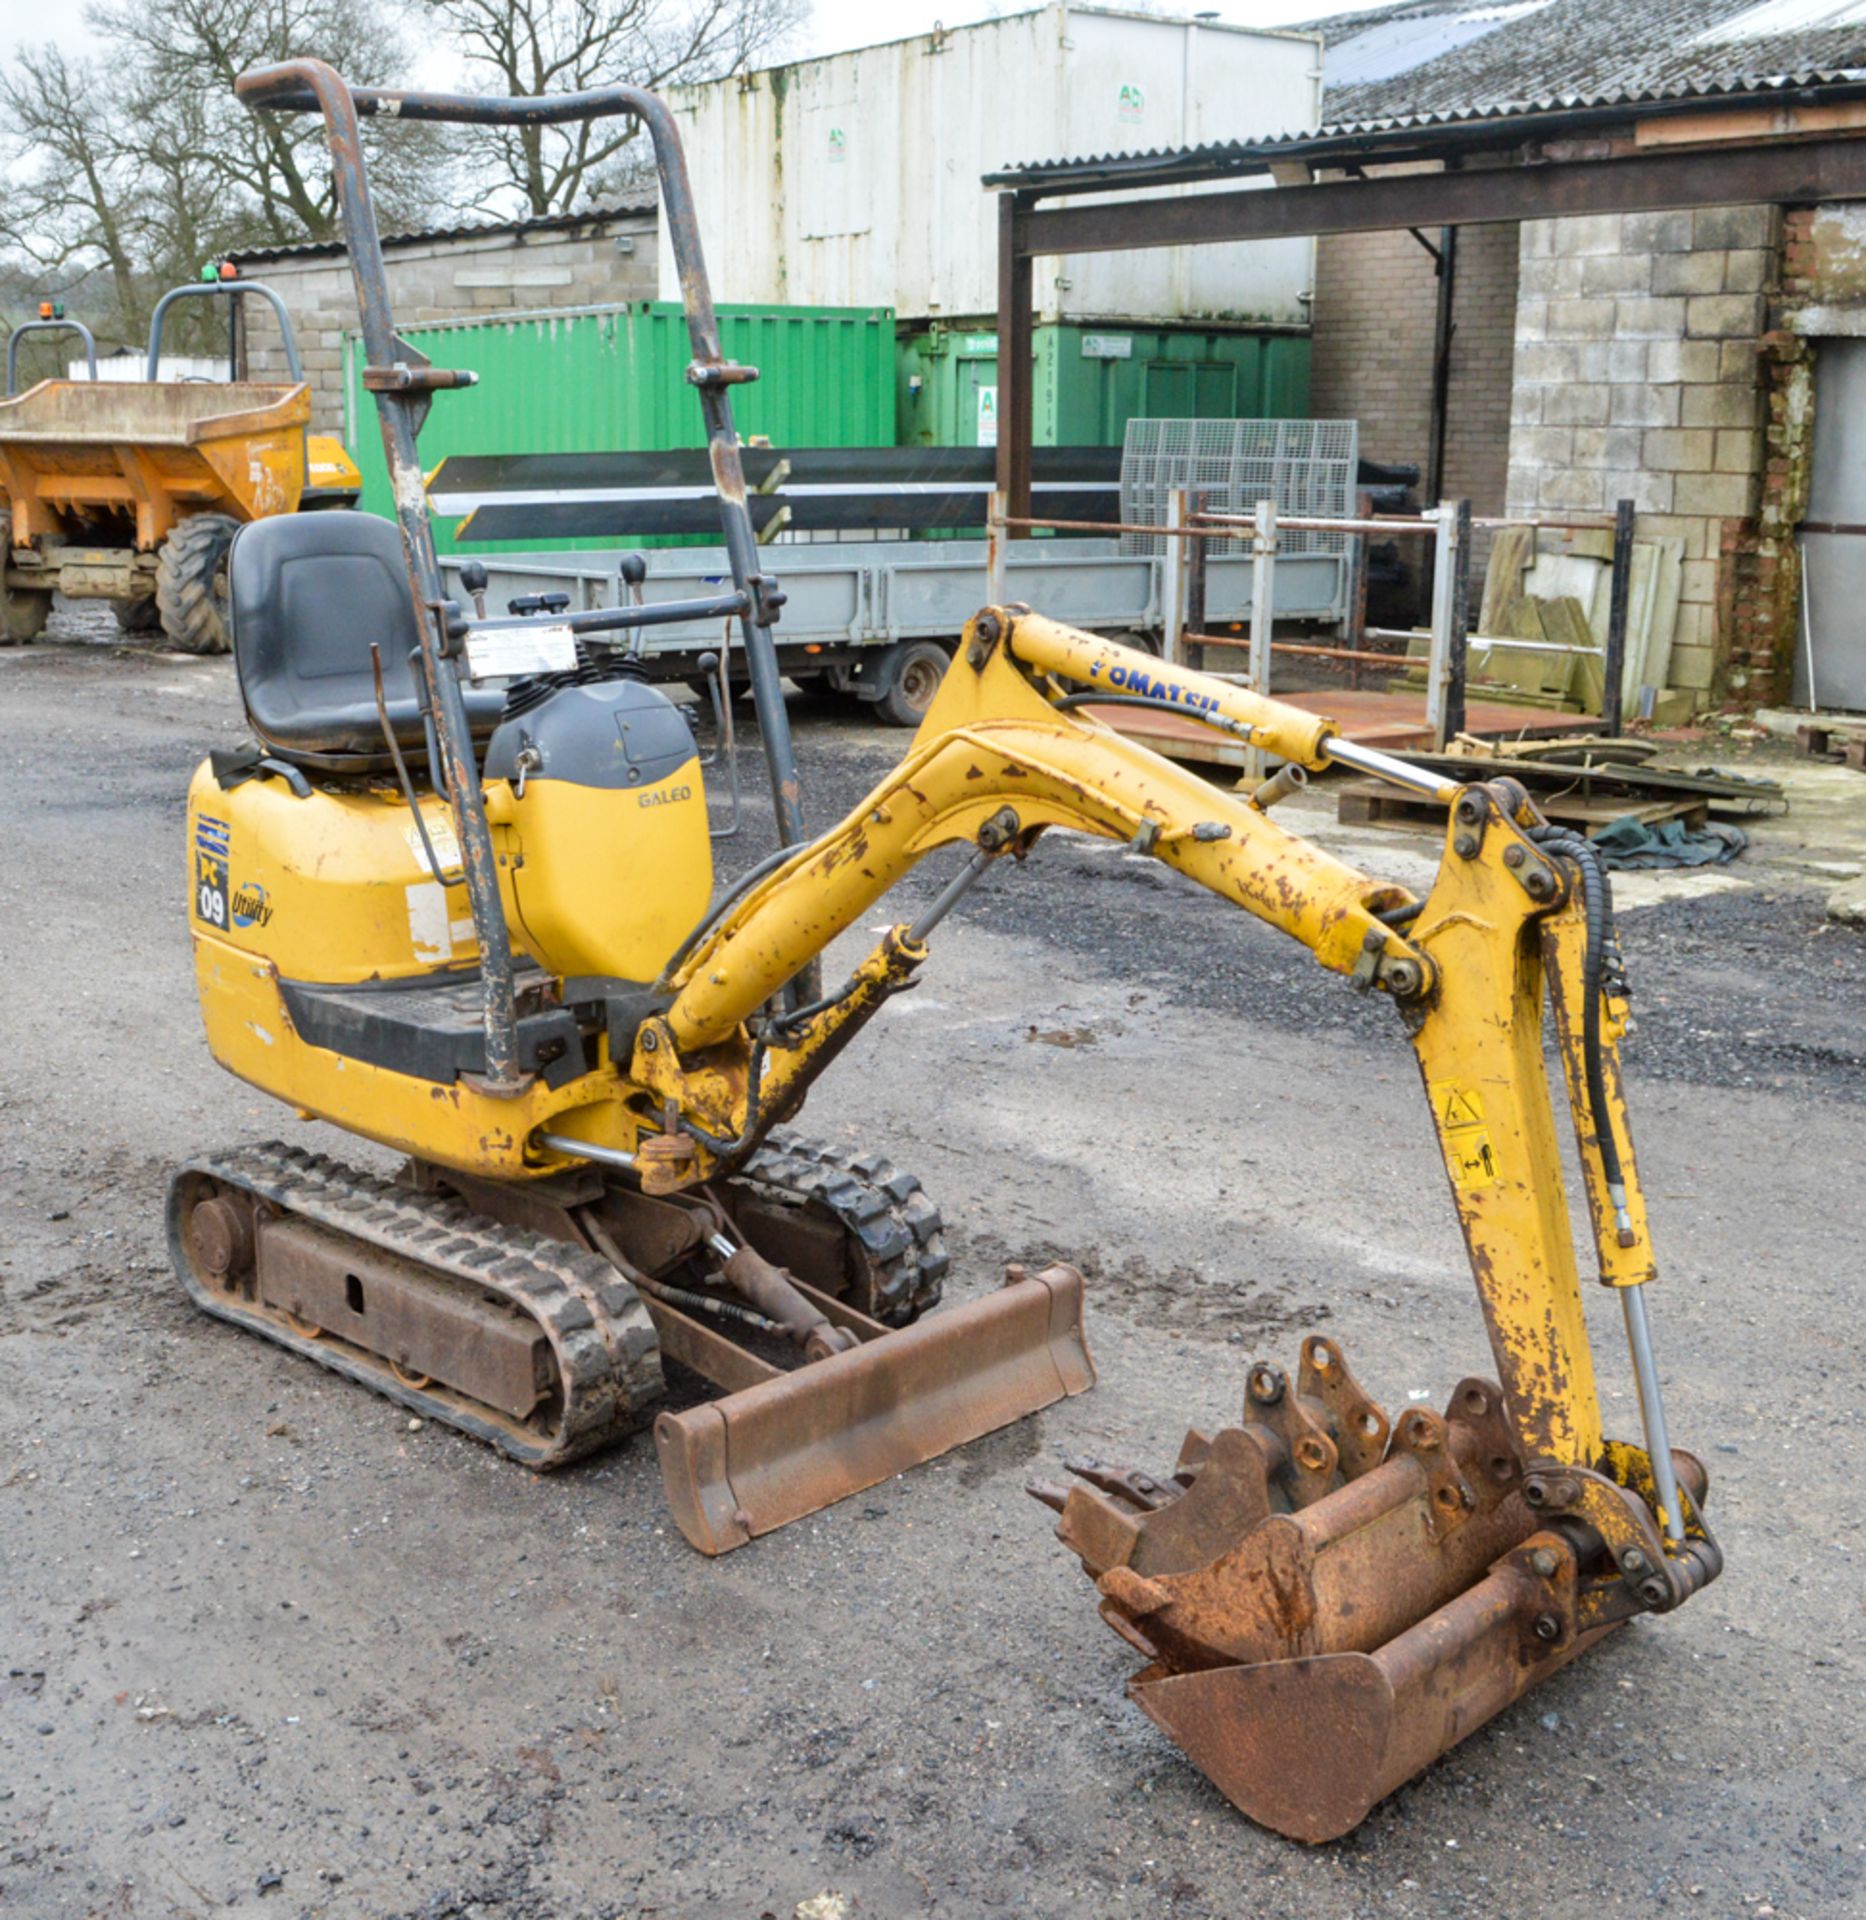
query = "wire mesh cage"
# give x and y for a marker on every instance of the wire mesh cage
(1308, 467)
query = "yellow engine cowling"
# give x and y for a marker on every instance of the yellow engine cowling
(332, 887)
(599, 820)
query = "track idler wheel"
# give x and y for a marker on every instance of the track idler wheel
(1327, 1600)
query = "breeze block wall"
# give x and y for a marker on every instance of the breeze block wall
(1638, 376)
(603, 259)
(1371, 360)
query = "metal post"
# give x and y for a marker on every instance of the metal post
(1445, 260)
(1197, 552)
(1613, 689)
(1354, 627)
(1262, 613)
(1016, 414)
(1438, 655)
(996, 534)
(1457, 651)
(1173, 583)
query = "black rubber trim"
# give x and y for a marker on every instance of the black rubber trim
(430, 1029)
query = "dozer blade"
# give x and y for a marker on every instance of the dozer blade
(757, 1459)
(1328, 1602)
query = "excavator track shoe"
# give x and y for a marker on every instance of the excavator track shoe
(538, 1348)
(1327, 1600)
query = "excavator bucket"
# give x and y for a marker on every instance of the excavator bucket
(789, 1444)
(1328, 1600)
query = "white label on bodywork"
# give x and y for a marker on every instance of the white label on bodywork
(441, 835)
(429, 927)
(506, 651)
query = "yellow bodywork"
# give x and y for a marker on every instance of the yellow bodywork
(332, 478)
(336, 889)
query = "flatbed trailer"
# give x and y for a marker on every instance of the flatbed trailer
(866, 615)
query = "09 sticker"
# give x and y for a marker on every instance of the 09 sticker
(212, 841)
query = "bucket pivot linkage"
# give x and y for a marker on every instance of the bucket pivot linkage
(1329, 1599)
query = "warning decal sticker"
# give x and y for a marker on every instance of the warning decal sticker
(1469, 1154)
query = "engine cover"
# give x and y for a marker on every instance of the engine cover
(601, 827)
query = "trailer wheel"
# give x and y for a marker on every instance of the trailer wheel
(191, 583)
(911, 671)
(23, 612)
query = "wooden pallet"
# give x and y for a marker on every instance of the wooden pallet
(1373, 803)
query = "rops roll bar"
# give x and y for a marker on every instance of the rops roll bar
(403, 383)
(46, 326)
(232, 289)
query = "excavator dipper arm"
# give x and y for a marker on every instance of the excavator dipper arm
(1395, 1581)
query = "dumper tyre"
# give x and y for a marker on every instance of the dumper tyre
(191, 583)
(911, 672)
(23, 614)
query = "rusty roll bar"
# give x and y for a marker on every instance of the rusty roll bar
(403, 384)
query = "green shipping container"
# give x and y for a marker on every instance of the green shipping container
(1090, 381)
(602, 379)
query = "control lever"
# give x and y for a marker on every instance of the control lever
(474, 578)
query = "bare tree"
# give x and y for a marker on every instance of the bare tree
(530, 47)
(144, 163)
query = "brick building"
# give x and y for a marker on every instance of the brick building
(602, 257)
(1676, 359)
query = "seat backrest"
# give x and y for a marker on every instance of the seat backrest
(309, 593)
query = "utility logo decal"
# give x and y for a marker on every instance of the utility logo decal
(211, 840)
(1469, 1154)
(1131, 105)
(251, 906)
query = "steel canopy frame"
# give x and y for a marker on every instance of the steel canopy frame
(1512, 188)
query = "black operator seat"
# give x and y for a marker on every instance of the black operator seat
(308, 593)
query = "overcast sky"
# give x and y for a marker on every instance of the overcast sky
(836, 23)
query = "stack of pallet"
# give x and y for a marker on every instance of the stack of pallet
(1561, 596)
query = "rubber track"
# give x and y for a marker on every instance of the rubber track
(885, 1211)
(608, 1358)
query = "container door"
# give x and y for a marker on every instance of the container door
(1189, 390)
(1830, 658)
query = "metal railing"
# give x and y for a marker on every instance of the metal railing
(1449, 528)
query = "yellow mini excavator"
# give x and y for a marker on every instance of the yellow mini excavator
(457, 899)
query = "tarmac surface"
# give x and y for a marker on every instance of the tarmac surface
(265, 1651)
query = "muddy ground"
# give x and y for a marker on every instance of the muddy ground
(263, 1650)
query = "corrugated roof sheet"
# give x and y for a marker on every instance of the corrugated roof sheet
(481, 230)
(1596, 49)
(1391, 130)
(1480, 62)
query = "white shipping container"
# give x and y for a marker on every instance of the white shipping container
(854, 180)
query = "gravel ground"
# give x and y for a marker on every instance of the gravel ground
(263, 1650)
